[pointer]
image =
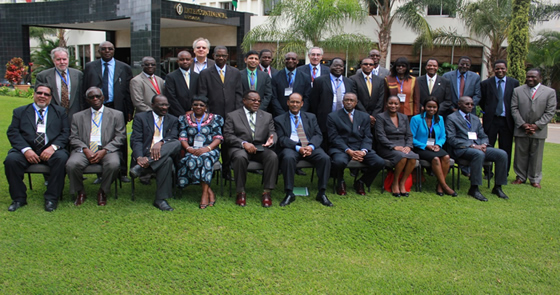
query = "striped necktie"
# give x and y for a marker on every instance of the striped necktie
(301, 133)
(94, 145)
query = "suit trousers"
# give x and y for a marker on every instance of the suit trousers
(288, 162)
(164, 169)
(477, 158)
(340, 159)
(239, 160)
(500, 131)
(78, 162)
(528, 158)
(15, 165)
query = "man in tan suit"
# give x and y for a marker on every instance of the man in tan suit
(532, 106)
(145, 85)
(96, 136)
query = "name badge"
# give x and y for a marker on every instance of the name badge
(288, 91)
(198, 141)
(93, 138)
(41, 128)
(294, 137)
(402, 97)
(431, 141)
(472, 135)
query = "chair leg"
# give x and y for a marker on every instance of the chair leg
(312, 174)
(383, 180)
(132, 191)
(30, 183)
(453, 177)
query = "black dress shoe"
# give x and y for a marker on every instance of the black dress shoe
(300, 172)
(405, 194)
(396, 195)
(288, 200)
(97, 180)
(16, 205)
(162, 205)
(439, 193)
(500, 193)
(50, 206)
(475, 193)
(324, 200)
(136, 171)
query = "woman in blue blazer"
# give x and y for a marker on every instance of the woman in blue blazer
(428, 132)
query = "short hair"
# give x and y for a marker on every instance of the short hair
(465, 57)
(220, 47)
(183, 51)
(289, 53)
(332, 60)
(92, 88)
(499, 61)
(204, 99)
(309, 52)
(536, 70)
(246, 93)
(431, 58)
(263, 51)
(156, 96)
(59, 49)
(463, 98)
(251, 52)
(434, 99)
(350, 93)
(297, 94)
(145, 58)
(391, 96)
(401, 61)
(201, 39)
(42, 85)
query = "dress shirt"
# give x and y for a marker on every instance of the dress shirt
(342, 89)
(111, 77)
(183, 72)
(293, 77)
(459, 82)
(375, 71)
(198, 67)
(248, 115)
(221, 69)
(503, 91)
(100, 116)
(59, 83)
(433, 80)
(156, 117)
(318, 74)
(294, 129)
(249, 77)
(36, 107)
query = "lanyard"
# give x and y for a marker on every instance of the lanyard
(197, 67)
(100, 118)
(42, 118)
(198, 123)
(468, 123)
(400, 83)
(159, 127)
(294, 120)
(62, 78)
(336, 86)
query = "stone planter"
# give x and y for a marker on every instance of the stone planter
(22, 87)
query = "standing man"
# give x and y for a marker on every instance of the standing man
(113, 78)
(181, 85)
(314, 68)
(96, 137)
(300, 138)
(495, 100)
(433, 85)
(145, 85)
(38, 134)
(286, 82)
(464, 83)
(377, 70)
(201, 48)
(154, 144)
(265, 58)
(533, 106)
(370, 90)
(249, 133)
(252, 79)
(65, 82)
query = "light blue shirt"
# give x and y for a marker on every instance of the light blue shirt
(334, 85)
(221, 69)
(294, 128)
(111, 77)
(288, 77)
(459, 82)
(503, 91)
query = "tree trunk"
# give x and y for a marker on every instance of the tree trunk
(384, 42)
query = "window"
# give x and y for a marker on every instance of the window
(438, 10)
(227, 5)
(269, 5)
(374, 8)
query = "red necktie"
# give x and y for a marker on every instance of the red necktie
(314, 74)
(462, 86)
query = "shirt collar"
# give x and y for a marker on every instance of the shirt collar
(205, 61)
(334, 78)
(156, 116)
(365, 76)
(352, 112)
(287, 71)
(183, 71)
(459, 74)
(111, 62)
(462, 114)
(434, 77)
(247, 111)
(292, 115)
(223, 69)
(100, 110)
(498, 79)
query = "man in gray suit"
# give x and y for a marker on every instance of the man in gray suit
(377, 70)
(532, 106)
(467, 140)
(96, 136)
(145, 85)
(65, 82)
(464, 83)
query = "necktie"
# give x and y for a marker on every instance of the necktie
(430, 85)
(290, 81)
(338, 95)
(462, 86)
(252, 123)
(188, 80)
(301, 133)
(64, 100)
(157, 132)
(368, 82)
(40, 136)
(314, 74)
(468, 118)
(93, 145)
(105, 86)
(533, 91)
(154, 83)
(252, 82)
(500, 106)
(222, 76)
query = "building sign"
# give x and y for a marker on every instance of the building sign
(196, 13)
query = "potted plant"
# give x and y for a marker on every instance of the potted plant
(16, 70)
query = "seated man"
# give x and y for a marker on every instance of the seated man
(38, 134)
(350, 138)
(467, 140)
(300, 138)
(249, 134)
(96, 136)
(154, 142)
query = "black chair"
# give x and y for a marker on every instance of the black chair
(352, 165)
(426, 164)
(462, 162)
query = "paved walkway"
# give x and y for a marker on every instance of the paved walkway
(553, 133)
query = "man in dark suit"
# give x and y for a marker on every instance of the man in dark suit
(432, 84)
(328, 93)
(201, 48)
(265, 58)
(65, 82)
(249, 133)
(464, 83)
(495, 102)
(145, 85)
(300, 138)
(154, 144)
(314, 68)
(97, 133)
(370, 90)
(252, 79)
(350, 138)
(377, 70)
(113, 78)
(181, 85)
(38, 134)
(467, 140)
(286, 82)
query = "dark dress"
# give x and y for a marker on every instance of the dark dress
(193, 169)
(389, 136)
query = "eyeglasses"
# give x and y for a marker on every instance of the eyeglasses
(198, 105)
(149, 65)
(368, 64)
(95, 96)
(106, 48)
(43, 93)
(291, 58)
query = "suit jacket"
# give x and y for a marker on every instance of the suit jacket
(121, 81)
(325, 71)
(388, 136)
(539, 110)
(472, 87)
(273, 71)
(457, 133)
(371, 104)
(113, 130)
(237, 130)
(302, 85)
(142, 90)
(178, 94)
(222, 97)
(381, 72)
(321, 102)
(211, 63)
(77, 102)
(489, 101)
(441, 90)
(264, 87)
(343, 134)
(420, 131)
(143, 132)
(22, 131)
(283, 124)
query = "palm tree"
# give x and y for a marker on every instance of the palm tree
(544, 53)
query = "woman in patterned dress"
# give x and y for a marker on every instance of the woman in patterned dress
(404, 86)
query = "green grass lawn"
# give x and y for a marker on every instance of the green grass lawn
(375, 244)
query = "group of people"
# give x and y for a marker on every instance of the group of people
(206, 109)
